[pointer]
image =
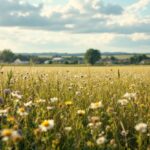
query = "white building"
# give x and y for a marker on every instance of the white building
(47, 62)
(57, 60)
(145, 62)
(18, 61)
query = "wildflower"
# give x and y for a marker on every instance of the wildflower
(54, 99)
(124, 133)
(101, 140)
(28, 104)
(70, 88)
(91, 125)
(16, 101)
(94, 125)
(4, 112)
(68, 129)
(94, 119)
(110, 110)
(50, 107)
(81, 112)
(68, 103)
(46, 125)
(107, 128)
(16, 136)
(78, 93)
(11, 119)
(113, 143)
(101, 134)
(41, 101)
(141, 127)
(16, 94)
(94, 122)
(96, 105)
(7, 91)
(9, 134)
(6, 134)
(123, 102)
(130, 96)
(22, 112)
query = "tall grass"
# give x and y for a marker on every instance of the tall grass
(75, 108)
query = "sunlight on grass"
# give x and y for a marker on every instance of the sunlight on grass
(70, 108)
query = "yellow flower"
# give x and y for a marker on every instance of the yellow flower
(81, 112)
(11, 119)
(9, 134)
(22, 112)
(45, 123)
(68, 103)
(6, 132)
(96, 105)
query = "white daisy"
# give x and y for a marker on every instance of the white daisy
(46, 125)
(141, 127)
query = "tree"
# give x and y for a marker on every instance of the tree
(92, 56)
(113, 58)
(136, 59)
(7, 56)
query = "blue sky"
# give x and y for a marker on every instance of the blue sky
(74, 25)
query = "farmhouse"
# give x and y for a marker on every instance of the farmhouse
(18, 61)
(47, 62)
(57, 60)
(123, 61)
(145, 62)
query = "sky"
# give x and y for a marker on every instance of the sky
(74, 26)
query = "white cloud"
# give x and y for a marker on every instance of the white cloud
(141, 4)
(86, 23)
(27, 37)
(70, 26)
(139, 36)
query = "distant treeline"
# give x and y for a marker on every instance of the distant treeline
(92, 56)
(7, 56)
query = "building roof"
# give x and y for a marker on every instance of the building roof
(18, 61)
(57, 59)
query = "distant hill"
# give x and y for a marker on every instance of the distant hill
(53, 54)
(104, 54)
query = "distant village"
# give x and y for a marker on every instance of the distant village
(7, 56)
(63, 60)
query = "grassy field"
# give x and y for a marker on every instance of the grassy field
(119, 56)
(81, 108)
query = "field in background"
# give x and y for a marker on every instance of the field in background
(118, 56)
(71, 108)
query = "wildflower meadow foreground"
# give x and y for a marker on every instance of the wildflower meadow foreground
(80, 108)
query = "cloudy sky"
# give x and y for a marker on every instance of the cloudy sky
(75, 25)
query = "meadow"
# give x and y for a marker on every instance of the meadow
(81, 108)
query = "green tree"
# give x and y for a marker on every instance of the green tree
(113, 58)
(92, 56)
(7, 56)
(136, 59)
